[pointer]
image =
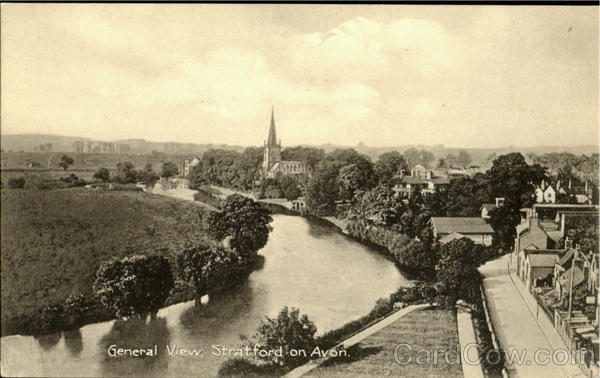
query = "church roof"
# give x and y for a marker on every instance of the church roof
(272, 139)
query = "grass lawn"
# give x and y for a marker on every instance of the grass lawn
(53, 241)
(430, 329)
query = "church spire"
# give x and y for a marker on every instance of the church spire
(272, 139)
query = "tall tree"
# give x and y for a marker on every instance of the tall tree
(390, 164)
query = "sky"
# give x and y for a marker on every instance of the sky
(383, 75)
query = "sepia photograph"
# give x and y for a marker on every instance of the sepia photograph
(299, 190)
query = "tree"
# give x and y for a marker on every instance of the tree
(133, 285)
(464, 159)
(321, 189)
(65, 162)
(78, 146)
(512, 178)
(349, 181)
(169, 169)
(147, 175)
(126, 173)
(102, 174)
(457, 274)
(417, 259)
(414, 157)
(379, 206)
(245, 221)
(203, 265)
(287, 331)
(16, 182)
(389, 164)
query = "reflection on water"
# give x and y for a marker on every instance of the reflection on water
(330, 277)
(47, 342)
(136, 333)
(73, 342)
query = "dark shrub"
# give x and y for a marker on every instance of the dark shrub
(133, 285)
(16, 182)
(238, 367)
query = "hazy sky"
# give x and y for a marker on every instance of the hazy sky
(464, 76)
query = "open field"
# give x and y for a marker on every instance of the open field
(86, 161)
(53, 241)
(430, 329)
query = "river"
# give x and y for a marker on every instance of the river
(330, 277)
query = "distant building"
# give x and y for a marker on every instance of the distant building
(487, 208)
(450, 228)
(272, 163)
(425, 181)
(188, 164)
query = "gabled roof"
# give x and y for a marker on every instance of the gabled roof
(452, 236)
(488, 206)
(578, 277)
(566, 257)
(543, 260)
(461, 225)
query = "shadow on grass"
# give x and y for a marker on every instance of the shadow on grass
(355, 353)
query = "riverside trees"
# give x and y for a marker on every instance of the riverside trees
(139, 284)
(133, 285)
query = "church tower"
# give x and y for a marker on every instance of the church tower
(272, 152)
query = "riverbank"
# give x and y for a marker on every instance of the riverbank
(53, 242)
(421, 330)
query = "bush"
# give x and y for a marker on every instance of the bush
(382, 308)
(288, 331)
(205, 266)
(245, 221)
(133, 285)
(102, 174)
(16, 182)
(238, 367)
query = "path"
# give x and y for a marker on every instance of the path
(301, 370)
(516, 325)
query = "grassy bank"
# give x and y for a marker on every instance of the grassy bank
(430, 329)
(53, 241)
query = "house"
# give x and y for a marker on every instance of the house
(188, 164)
(546, 194)
(425, 181)
(538, 266)
(487, 208)
(544, 225)
(299, 204)
(474, 228)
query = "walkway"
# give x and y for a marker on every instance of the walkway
(301, 370)
(513, 313)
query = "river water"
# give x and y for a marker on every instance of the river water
(328, 276)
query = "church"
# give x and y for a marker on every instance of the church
(272, 163)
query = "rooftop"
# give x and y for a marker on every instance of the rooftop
(542, 260)
(461, 225)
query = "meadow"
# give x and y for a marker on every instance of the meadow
(53, 241)
(14, 164)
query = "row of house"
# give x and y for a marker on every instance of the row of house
(551, 268)
(550, 192)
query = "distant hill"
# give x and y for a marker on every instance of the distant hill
(61, 143)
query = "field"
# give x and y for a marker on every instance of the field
(53, 241)
(14, 164)
(431, 329)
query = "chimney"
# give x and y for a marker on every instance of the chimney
(543, 185)
(568, 243)
(569, 183)
(557, 185)
(586, 187)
